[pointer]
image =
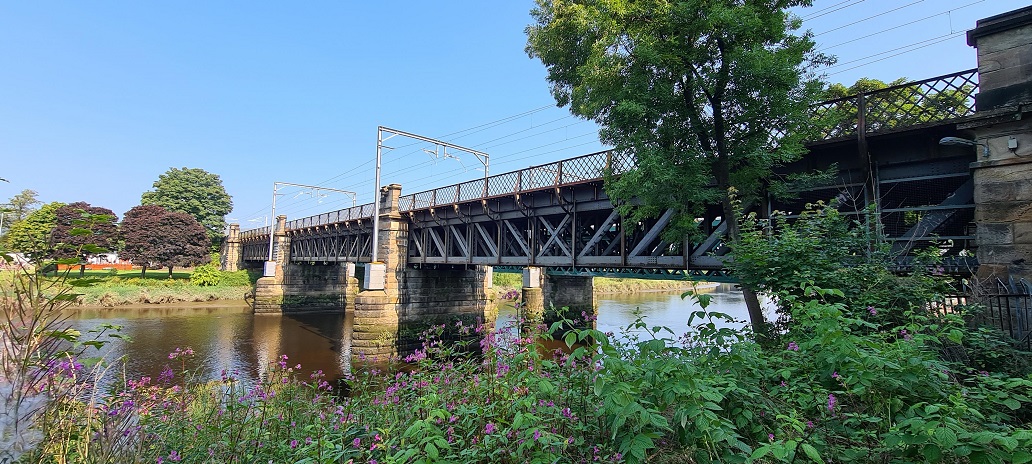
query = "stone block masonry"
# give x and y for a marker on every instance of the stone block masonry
(1003, 178)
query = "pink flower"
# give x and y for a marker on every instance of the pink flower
(489, 428)
(831, 403)
(835, 375)
(293, 443)
(874, 312)
(537, 435)
(792, 346)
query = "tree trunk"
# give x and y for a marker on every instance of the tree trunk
(170, 272)
(752, 300)
(82, 271)
(143, 271)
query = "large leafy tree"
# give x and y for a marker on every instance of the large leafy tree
(196, 192)
(707, 95)
(154, 236)
(81, 230)
(17, 209)
(31, 235)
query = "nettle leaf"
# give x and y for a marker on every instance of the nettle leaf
(93, 249)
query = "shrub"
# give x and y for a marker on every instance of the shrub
(206, 275)
(236, 278)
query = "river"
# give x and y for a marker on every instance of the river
(228, 337)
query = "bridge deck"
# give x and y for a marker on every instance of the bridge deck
(558, 215)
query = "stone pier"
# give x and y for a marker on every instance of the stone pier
(232, 253)
(302, 287)
(1002, 125)
(389, 321)
(544, 295)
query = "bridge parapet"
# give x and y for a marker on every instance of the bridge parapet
(587, 168)
(930, 101)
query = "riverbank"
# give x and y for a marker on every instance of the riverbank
(121, 290)
(610, 285)
(106, 289)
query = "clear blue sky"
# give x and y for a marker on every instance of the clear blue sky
(99, 98)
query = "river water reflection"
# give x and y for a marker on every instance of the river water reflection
(231, 338)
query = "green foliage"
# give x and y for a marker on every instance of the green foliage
(239, 278)
(40, 355)
(824, 249)
(195, 192)
(860, 376)
(16, 210)
(711, 94)
(206, 275)
(32, 235)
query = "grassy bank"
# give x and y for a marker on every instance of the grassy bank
(602, 285)
(110, 289)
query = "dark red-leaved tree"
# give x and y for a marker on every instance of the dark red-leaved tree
(155, 237)
(139, 237)
(81, 230)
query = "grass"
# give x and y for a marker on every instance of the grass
(110, 288)
(511, 281)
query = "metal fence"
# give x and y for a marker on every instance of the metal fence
(1006, 305)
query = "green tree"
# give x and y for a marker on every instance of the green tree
(195, 192)
(707, 95)
(32, 234)
(81, 230)
(154, 236)
(16, 209)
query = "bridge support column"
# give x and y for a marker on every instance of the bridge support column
(389, 321)
(269, 291)
(533, 308)
(232, 255)
(545, 295)
(376, 329)
(1003, 172)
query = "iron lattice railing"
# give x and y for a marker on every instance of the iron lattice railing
(934, 100)
(571, 171)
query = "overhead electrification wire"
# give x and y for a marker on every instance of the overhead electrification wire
(946, 12)
(920, 45)
(367, 166)
(823, 13)
(868, 18)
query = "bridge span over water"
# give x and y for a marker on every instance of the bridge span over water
(558, 215)
(438, 249)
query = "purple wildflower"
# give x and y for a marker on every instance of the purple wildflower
(874, 312)
(792, 346)
(489, 428)
(831, 403)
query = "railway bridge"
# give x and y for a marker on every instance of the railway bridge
(946, 162)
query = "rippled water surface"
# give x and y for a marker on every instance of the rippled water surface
(229, 337)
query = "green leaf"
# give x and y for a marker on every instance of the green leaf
(945, 438)
(570, 338)
(811, 452)
(760, 452)
(1020, 457)
(1011, 404)
(431, 451)
(932, 453)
